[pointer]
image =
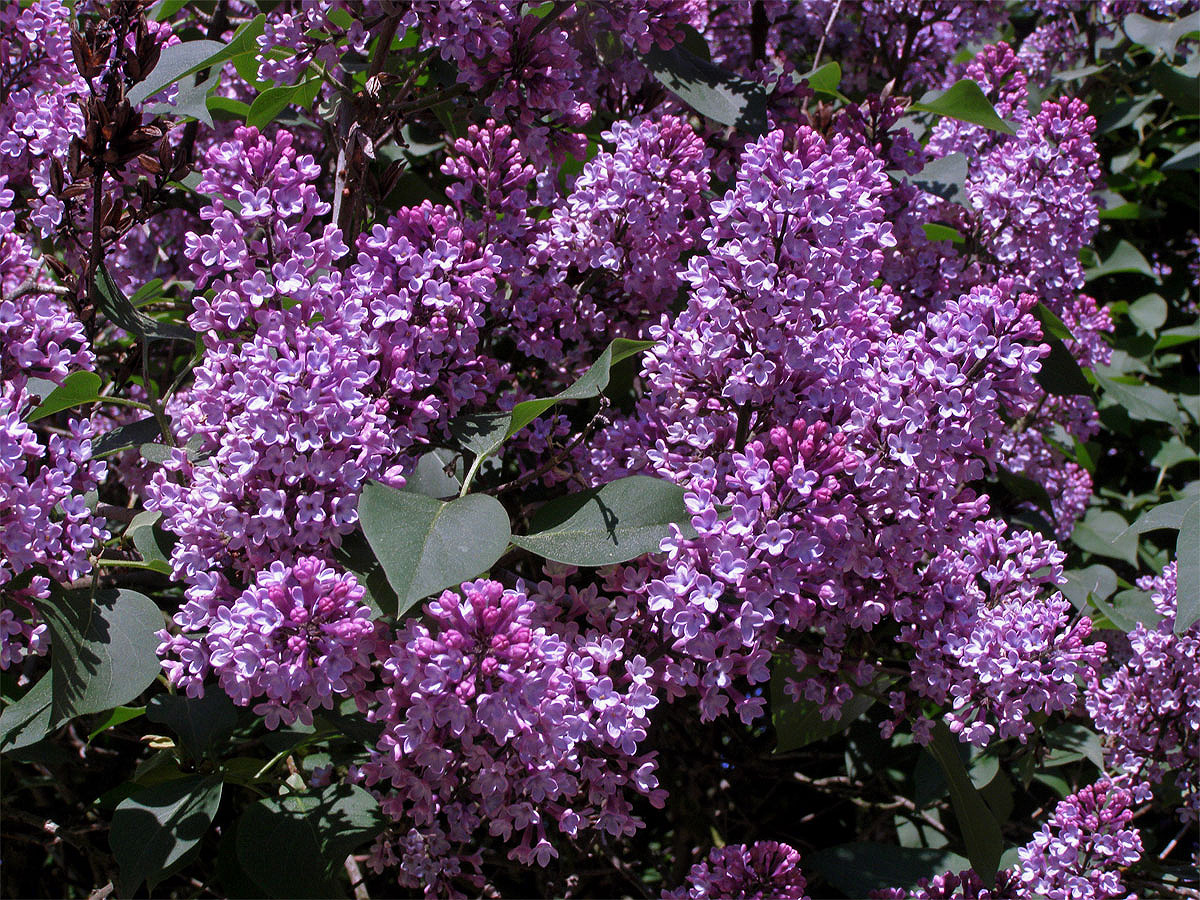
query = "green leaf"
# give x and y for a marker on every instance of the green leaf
(613, 523)
(1060, 373)
(1128, 609)
(429, 477)
(174, 64)
(1125, 258)
(292, 846)
(156, 830)
(859, 868)
(1084, 585)
(228, 108)
(1023, 488)
(963, 100)
(485, 433)
(1122, 114)
(269, 104)
(1160, 36)
(943, 177)
(115, 718)
(1172, 453)
(1051, 323)
(103, 648)
(199, 722)
(191, 101)
(77, 388)
(1080, 739)
(799, 723)
(936, 232)
(1169, 515)
(1102, 532)
(1173, 337)
(1187, 556)
(29, 719)
(152, 542)
(354, 554)
(116, 306)
(710, 90)
(426, 545)
(1186, 160)
(1148, 313)
(190, 57)
(1142, 401)
(825, 80)
(125, 437)
(980, 831)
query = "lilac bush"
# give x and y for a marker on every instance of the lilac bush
(658, 448)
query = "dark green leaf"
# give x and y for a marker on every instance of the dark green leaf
(1026, 489)
(1157, 34)
(152, 542)
(155, 830)
(427, 545)
(228, 108)
(1051, 323)
(980, 831)
(354, 554)
(710, 90)
(1060, 373)
(116, 306)
(613, 523)
(1085, 584)
(1187, 556)
(126, 437)
(1185, 160)
(175, 63)
(430, 478)
(857, 869)
(291, 846)
(1079, 739)
(1128, 609)
(1165, 515)
(1122, 114)
(269, 104)
(1173, 337)
(1125, 258)
(30, 719)
(964, 100)
(116, 717)
(1142, 401)
(199, 722)
(77, 388)
(800, 723)
(483, 434)
(1102, 531)
(103, 649)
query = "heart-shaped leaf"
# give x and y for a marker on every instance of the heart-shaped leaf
(613, 523)
(426, 545)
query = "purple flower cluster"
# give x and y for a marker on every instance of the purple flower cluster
(1080, 852)
(297, 638)
(988, 640)
(256, 253)
(764, 870)
(1150, 705)
(496, 724)
(952, 885)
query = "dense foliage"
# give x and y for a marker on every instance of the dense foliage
(659, 449)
